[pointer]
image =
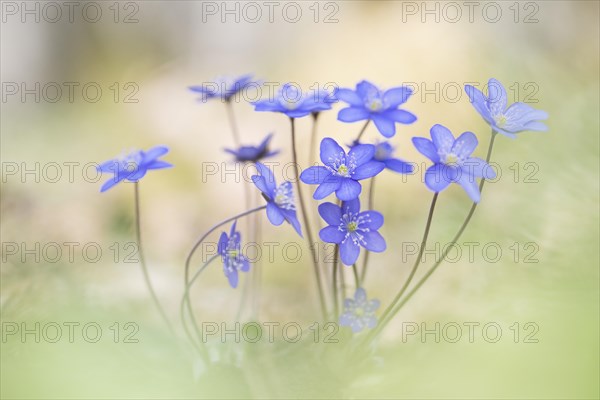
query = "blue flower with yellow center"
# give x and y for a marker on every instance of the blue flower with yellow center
(509, 121)
(359, 312)
(290, 101)
(230, 249)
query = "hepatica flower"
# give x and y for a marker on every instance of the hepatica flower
(290, 101)
(280, 199)
(517, 118)
(342, 171)
(254, 153)
(133, 166)
(452, 161)
(359, 313)
(384, 152)
(223, 88)
(351, 229)
(230, 249)
(367, 102)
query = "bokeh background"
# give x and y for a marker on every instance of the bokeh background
(546, 51)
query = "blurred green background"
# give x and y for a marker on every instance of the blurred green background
(547, 52)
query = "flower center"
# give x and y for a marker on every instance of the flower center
(375, 105)
(359, 311)
(284, 197)
(383, 151)
(342, 170)
(500, 120)
(342, 165)
(130, 162)
(352, 226)
(233, 253)
(450, 158)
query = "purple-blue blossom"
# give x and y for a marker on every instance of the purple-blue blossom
(351, 229)
(290, 101)
(230, 249)
(452, 161)
(254, 153)
(359, 312)
(342, 171)
(517, 118)
(280, 199)
(223, 88)
(133, 166)
(368, 102)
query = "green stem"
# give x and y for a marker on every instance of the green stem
(309, 237)
(356, 279)
(195, 247)
(313, 139)
(232, 123)
(143, 259)
(334, 285)
(362, 131)
(363, 273)
(439, 260)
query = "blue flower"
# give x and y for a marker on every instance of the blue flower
(384, 153)
(292, 102)
(230, 249)
(133, 166)
(517, 118)
(223, 87)
(342, 171)
(452, 161)
(351, 229)
(359, 313)
(280, 199)
(368, 102)
(254, 153)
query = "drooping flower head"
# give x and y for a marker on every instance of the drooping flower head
(230, 249)
(384, 152)
(368, 102)
(452, 161)
(351, 229)
(254, 153)
(133, 166)
(223, 88)
(517, 118)
(280, 199)
(342, 171)
(359, 313)
(290, 101)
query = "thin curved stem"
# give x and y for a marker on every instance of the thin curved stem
(309, 237)
(334, 285)
(362, 131)
(439, 260)
(313, 139)
(200, 349)
(356, 278)
(143, 259)
(195, 247)
(370, 203)
(232, 123)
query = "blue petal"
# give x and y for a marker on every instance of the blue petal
(384, 125)
(260, 183)
(326, 188)
(375, 220)
(349, 251)
(401, 116)
(374, 241)
(469, 184)
(232, 231)
(364, 88)
(518, 115)
(109, 166)
(222, 245)
(154, 153)
(331, 213)
(352, 206)
(331, 234)
(479, 168)
(349, 189)
(111, 182)
(292, 219)
(362, 153)
(436, 177)
(360, 296)
(348, 96)
(315, 175)
(353, 114)
(368, 170)
(274, 214)
(535, 126)
(496, 97)
(370, 321)
(372, 306)
(233, 278)
(427, 148)
(245, 264)
(159, 165)
(137, 175)
(346, 319)
(442, 138)
(396, 96)
(400, 166)
(464, 146)
(478, 101)
(268, 176)
(330, 150)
